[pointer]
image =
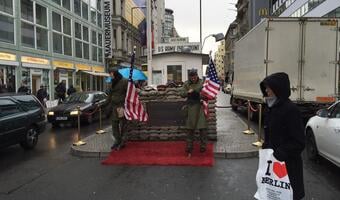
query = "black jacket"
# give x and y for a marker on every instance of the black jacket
(284, 131)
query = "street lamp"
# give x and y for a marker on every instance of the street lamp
(218, 37)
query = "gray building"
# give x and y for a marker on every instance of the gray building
(169, 29)
(44, 42)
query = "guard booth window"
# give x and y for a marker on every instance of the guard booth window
(174, 73)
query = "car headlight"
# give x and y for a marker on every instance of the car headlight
(75, 112)
(51, 113)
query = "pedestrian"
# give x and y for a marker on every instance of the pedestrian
(283, 128)
(61, 90)
(195, 115)
(23, 88)
(71, 90)
(42, 95)
(116, 95)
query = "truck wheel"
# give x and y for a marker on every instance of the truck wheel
(31, 138)
(233, 105)
(311, 148)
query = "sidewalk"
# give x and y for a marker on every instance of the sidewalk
(231, 142)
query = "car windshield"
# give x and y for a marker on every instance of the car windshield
(79, 98)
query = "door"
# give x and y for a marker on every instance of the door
(332, 135)
(283, 51)
(320, 56)
(36, 83)
(12, 122)
(64, 79)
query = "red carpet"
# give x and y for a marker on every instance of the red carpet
(160, 153)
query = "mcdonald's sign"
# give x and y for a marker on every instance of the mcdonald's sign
(263, 12)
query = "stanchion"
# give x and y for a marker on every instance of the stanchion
(248, 131)
(259, 142)
(79, 142)
(100, 130)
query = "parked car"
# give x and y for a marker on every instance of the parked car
(323, 134)
(22, 119)
(89, 103)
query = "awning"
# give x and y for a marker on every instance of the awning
(97, 73)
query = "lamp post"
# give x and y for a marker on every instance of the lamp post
(218, 37)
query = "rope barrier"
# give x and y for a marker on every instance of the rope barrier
(91, 113)
(251, 107)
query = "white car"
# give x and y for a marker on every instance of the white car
(323, 134)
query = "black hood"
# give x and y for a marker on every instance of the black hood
(279, 83)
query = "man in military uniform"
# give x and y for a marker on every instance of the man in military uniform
(116, 96)
(195, 118)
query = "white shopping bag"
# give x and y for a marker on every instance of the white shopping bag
(51, 103)
(272, 178)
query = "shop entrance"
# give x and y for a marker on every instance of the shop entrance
(36, 83)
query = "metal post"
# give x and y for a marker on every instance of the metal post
(149, 39)
(79, 142)
(248, 131)
(201, 24)
(259, 142)
(100, 130)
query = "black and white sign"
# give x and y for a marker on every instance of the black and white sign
(108, 28)
(194, 47)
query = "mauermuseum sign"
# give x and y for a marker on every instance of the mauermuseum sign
(108, 28)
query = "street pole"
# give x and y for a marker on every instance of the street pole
(201, 25)
(149, 40)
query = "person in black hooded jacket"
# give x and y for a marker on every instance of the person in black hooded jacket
(283, 128)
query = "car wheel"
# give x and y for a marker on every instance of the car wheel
(90, 119)
(311, 148)
(31, 138)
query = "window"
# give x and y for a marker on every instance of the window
(56, 21)
(335, 113)
(57, 45)
(95, 12)
(78, 45)
(82, 41)
(77, 30)
(6, 29)
(174, 73)
(97, 50)
(85, 33)
(86, 51)
(77, 7)
(27, 35)
(28, 102)
(67, 4)
(85, 12)
(34, 32)
(6, 6)
(57, 1)
(93, 16)
(8, 107)
(94, 37)
(27, 10)
(94, 53)
(62, 42)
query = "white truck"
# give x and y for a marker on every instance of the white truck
(307, 49)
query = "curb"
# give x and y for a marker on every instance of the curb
(223, 155)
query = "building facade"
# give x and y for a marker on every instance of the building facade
(306, 8)
(169, 30)
(230, 38)
(219, 60)
(44, 42)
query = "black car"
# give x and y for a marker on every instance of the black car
(89, 103)
(22, 119)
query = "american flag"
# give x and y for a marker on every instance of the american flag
(134, 109)
(211, 86)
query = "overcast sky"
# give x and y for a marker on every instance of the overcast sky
(216, 17)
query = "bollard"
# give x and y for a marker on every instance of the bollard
(79, 142)
(100, 130)
(248, 131)
(259, 142)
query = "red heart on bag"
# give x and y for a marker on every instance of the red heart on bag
(280, 169)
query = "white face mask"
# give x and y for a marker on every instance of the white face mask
(270, 101)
